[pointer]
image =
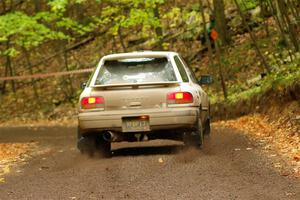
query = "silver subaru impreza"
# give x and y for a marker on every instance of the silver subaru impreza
(142, 96)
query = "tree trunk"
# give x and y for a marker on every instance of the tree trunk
(207, 38)
(9, 67)
(29, 64)
(264, 10)
(79, 9)
(264, 62)
(69, 91)
(277, 19)
(3, 7)
(222, 29)
(279, 23)
(3, 89)
(282, 9)
(121, 39)
(293, 8)
(221, 73)
(37, 5)
(158, 29)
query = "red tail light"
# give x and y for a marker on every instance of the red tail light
(92, 102)
(180, 98)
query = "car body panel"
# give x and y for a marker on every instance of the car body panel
(166, 118)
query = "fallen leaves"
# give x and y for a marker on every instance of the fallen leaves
(2, 180)
(11, 153)
(160, 160)
(272, 135)
(297, 158)
(289, 194)
(6, 169)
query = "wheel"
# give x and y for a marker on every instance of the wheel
(194, 138)
(87, 145)
(207, 129)
(92, 143)
(79, 135)
(103, 147)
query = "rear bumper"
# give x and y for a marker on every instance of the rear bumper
(171, 118)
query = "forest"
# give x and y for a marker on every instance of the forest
(255, 51)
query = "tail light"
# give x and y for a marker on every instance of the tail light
(92, 102)
(180, 98)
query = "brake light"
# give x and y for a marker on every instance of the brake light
(92, 102)
(180, 98)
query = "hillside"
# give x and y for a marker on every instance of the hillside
(256, 58)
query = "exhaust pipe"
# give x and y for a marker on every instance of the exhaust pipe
(109, 136)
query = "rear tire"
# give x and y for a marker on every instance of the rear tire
(207, 128)
(87, 145)
(103, 147)
(93, 143)
(194, 138)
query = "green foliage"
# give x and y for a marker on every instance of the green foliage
(69, 24)
(248, 4)
(277, 81)
(196, 7)
(25, 31)
(21, 30)
(174, 17)
(140, 23)
(58, 5)
(181, 19)
(130, 14)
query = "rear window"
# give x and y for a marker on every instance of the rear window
(139, 70)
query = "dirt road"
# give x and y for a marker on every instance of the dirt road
(228, 167)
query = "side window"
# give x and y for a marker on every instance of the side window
(181, 69)
(190, 72)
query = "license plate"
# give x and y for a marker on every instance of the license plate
(135, 124)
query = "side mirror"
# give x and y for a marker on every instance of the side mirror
(83, 85)
(206, 80)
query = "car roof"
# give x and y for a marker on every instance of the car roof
(140, 54)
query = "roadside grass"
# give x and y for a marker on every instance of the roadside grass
(276, 81)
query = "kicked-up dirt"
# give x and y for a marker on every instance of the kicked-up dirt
(228, 167)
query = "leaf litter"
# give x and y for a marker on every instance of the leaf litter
(12, 154)
(272, 135)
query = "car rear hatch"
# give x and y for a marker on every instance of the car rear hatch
(135, 96)
(135, 83)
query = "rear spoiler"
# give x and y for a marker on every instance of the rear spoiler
(136, 85)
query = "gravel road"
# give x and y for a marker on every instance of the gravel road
(228, 167)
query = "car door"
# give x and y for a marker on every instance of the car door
(203, 95)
